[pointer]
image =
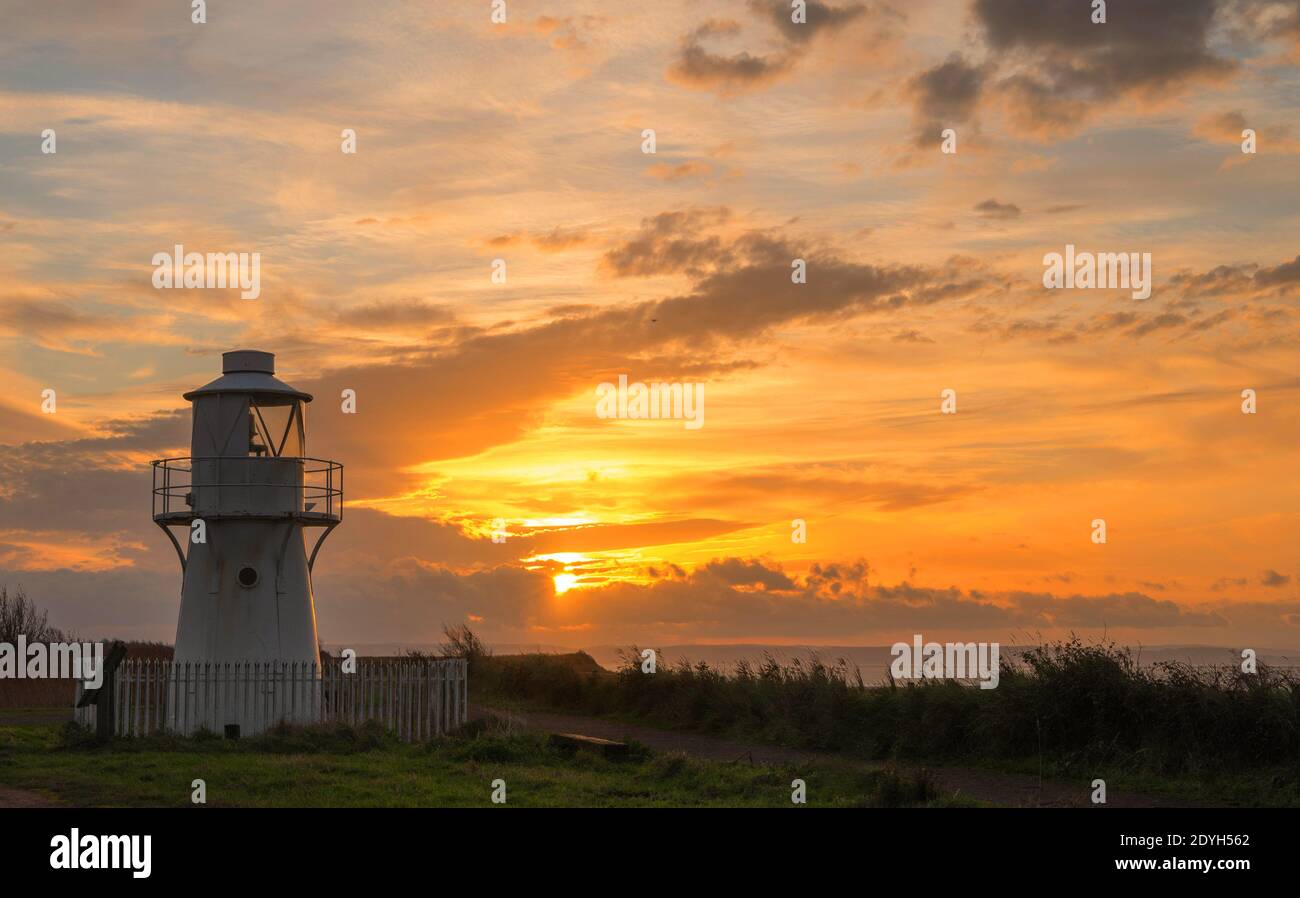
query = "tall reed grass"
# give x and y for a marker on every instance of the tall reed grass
(1089, 705)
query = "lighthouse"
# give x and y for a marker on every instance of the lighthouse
(252, 510)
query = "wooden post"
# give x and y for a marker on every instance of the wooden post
(102, 698)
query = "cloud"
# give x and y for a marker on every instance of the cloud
(490, 388)
(399, 315)
(1163, 321)
(19, 425)
(702, 69)
(1273, 579)
(823, 483)
(65, 327)
(666, 171)
(742, 72)
(820, 16)
(1227, 127)
(747, 572)
(604, 537)
(1149, 50)
(991, 208)
(752, 598)
(1264, 20)
(554, 241)
(92, 485)
(1281, 275)
(945, 96)
(567, 32)
(671, 242)
(1238, 280)
(1219, 281)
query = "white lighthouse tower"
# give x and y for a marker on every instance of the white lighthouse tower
(244, 496)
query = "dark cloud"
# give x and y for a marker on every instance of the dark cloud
(371, 596)
(1155, 48)
(1131, 609)
(1272, 578)
(1286, 273)
(1163, 321)
(836, 601)
(671, 243)
(1109, 321)
(700, 68)
(88, 485)
(756, 293)
(821, 16)
(751, 289)
(1213, 321)
(1223, 279)
(944, 97)
(741, 572)
(991, 208)
(1238, 280)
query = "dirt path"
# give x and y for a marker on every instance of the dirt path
(1002, 789)
(29, 717)
(20, 798)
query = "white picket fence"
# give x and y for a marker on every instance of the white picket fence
(416, 699)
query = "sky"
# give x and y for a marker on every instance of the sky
(519, 148)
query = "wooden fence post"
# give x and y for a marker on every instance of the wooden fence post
(102, 698)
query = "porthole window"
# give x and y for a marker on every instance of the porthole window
(247, 577)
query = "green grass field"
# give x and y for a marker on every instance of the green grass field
(346, 767)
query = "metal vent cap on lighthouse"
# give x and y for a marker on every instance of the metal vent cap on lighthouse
(249, 371)
(247, 360)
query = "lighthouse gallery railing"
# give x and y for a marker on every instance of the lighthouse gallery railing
(416, 699)
(313, 494)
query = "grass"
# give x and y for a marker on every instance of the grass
(1065, 710)
(365, 767)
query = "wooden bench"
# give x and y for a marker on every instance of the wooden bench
(573, 742)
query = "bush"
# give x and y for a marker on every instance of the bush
(1081, 706)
